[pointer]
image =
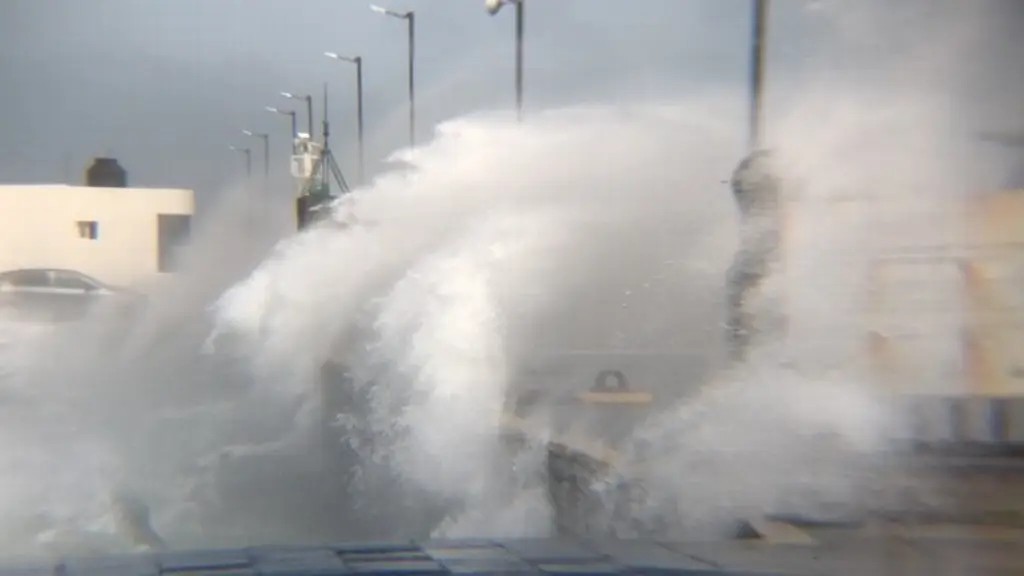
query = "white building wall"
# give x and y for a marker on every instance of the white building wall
(38, 228)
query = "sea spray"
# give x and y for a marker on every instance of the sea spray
(434, 293)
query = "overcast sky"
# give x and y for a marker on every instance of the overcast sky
(166, 85)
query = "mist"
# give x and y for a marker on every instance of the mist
(599, 224)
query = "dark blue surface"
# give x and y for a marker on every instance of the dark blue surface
(527, 556)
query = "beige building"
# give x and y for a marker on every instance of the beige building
(931, 291)
(119, 235)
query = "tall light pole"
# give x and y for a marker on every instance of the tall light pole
(266, 153)
(358, 61)
(293, 115)
(759, 194)
(757, 45)
(309, 107)
(410, 17)
(248, 160)
(493, 7)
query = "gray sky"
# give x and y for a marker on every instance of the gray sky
(166, 85)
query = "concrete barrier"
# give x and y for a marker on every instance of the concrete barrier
(1015, 421)
(931, 420)
(967, 423)
(954, 422)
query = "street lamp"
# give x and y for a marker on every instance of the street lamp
(309, 107)
(759, 20)
(493, 7)
(410, 17)
(266, 152)
(758, 193)
(248, 160)
(292, 114)
(358, 61)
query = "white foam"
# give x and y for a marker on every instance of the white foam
(583, 228)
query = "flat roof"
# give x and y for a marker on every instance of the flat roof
(84, 187)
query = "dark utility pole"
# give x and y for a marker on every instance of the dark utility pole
(266, 166)
(410, 18)
(292, 115)
(359, 120)
(294, 121)
(266, 159)
(309, 113)
(266, 154)
(760, 18)
(493, 7)
(309, 108)
(358, 61)
(248, 161)
(519, 59)
(758, 192)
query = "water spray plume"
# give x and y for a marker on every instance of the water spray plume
(448, 288)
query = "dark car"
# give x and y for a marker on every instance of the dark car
(58, 295)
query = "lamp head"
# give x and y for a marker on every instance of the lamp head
(494, 6)
(403, 15)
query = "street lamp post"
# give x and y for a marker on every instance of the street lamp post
(248, 160)
(309, 107)
(410, 17)
(760, 196)
(493, 7)
(760, 18)
(358, 61)
(293, 115)
(266, 152)
(266, 163)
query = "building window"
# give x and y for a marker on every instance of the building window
(87, 229)
(172, 232)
